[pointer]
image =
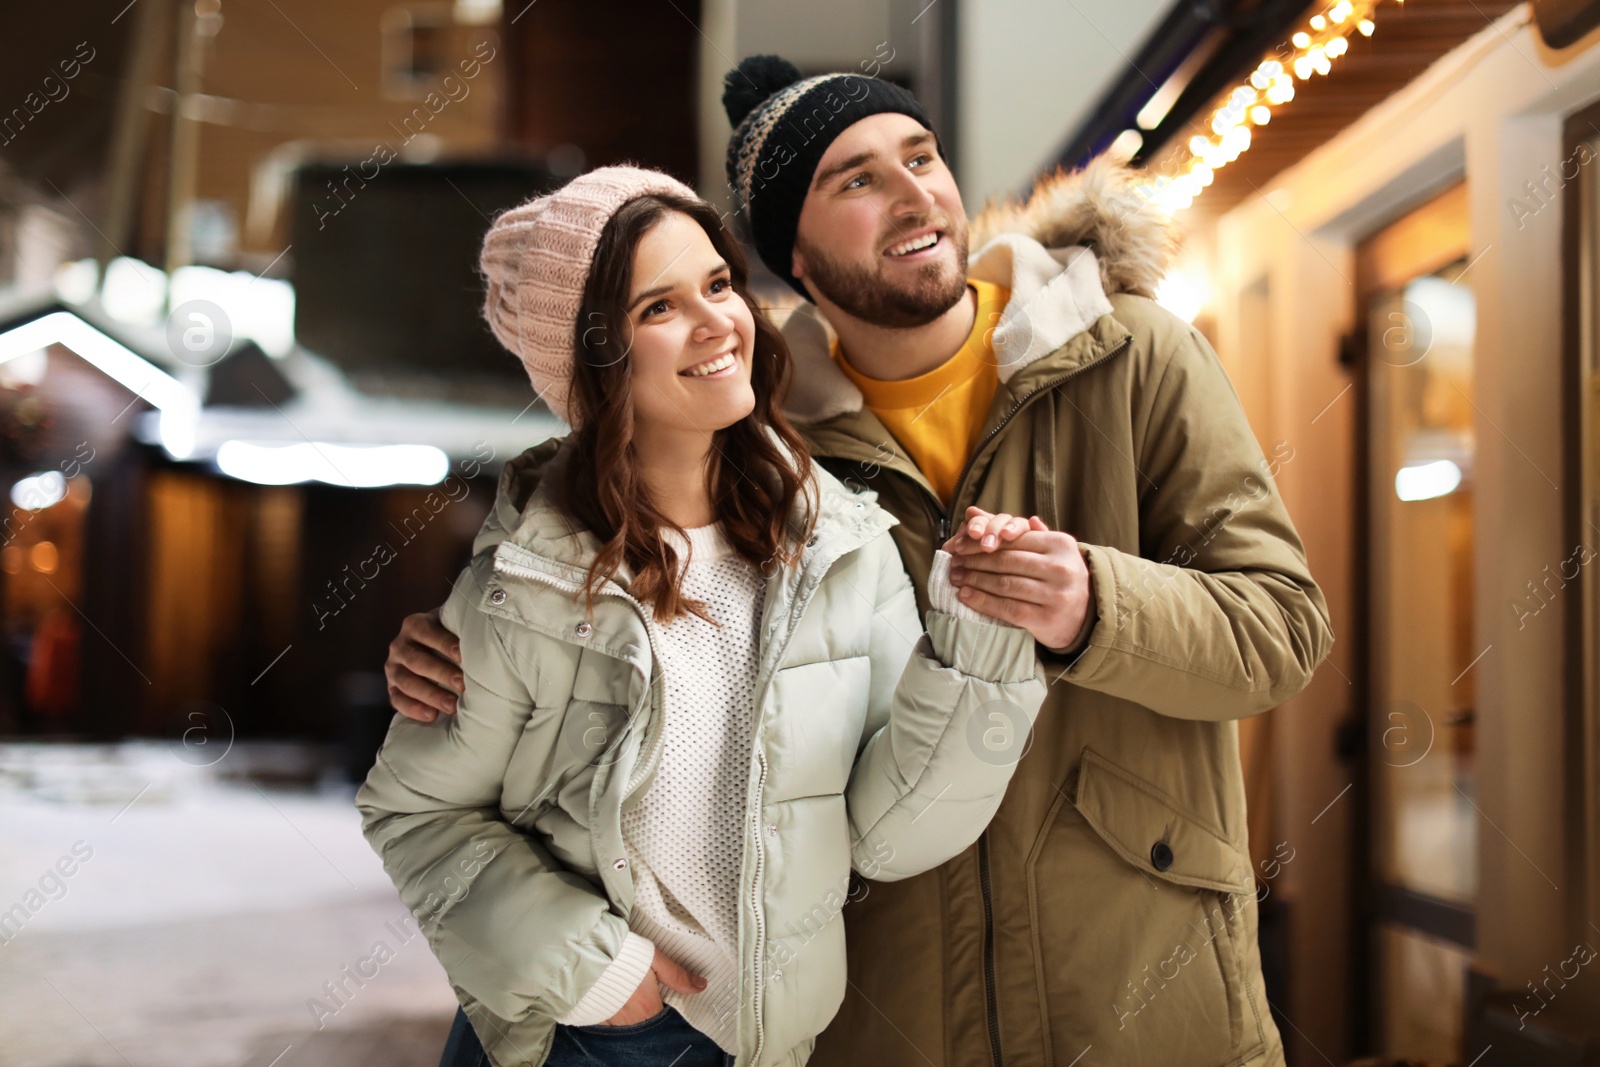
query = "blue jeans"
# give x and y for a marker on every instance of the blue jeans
(665, 1040)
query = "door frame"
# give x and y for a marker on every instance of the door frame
(1581, 751)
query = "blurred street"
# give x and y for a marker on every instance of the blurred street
(206, 920)
(259, 385)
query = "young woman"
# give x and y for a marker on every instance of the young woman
(697, 691)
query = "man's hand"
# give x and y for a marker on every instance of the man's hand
(1021, 571)
(423, 669)
(646, 1000)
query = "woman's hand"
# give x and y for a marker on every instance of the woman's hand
(423, 668)
(985, 531)
(646, 1000)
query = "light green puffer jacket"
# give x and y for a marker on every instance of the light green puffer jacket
(876, 748)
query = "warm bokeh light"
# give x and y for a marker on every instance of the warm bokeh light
(1247, 105)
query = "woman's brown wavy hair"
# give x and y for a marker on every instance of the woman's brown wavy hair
(756, 469)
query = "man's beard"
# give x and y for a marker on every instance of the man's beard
(865, 295)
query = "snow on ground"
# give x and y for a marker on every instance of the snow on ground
(162, 910)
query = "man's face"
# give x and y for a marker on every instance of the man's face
(882, 233)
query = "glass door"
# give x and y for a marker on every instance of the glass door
(1418, 440)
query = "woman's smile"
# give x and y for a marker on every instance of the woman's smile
(715, 368)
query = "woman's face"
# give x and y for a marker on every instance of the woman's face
(692, 335)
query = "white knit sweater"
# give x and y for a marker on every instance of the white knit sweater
(684, 836)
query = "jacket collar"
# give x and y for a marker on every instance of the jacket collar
(526, 516)
(1079, 238)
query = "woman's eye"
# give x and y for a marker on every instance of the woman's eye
(659, 305)
(724, 283)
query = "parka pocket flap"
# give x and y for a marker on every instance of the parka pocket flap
(1145, 827)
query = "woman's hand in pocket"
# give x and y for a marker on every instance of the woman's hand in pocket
(646, 1000)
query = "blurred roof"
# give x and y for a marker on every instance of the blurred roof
(1408, 39)
(1201, 52)
(320, 409)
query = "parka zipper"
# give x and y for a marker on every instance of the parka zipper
(990, 994)
(1021, 402)
(991, 997)
(946, 524)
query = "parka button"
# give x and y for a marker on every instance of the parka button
(497, 597)
(620, 864)
(584, 629)
(772, 828)
(777, 974)
(1161, 855)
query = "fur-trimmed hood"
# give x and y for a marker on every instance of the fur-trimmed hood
(1079, 238)
(1098, 208)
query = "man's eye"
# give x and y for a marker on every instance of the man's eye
(851, 184)
(924, 157)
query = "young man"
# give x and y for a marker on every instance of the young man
(1107, 915)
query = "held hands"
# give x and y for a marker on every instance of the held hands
(646, 1000)
(1011, 568)
(1021, 571)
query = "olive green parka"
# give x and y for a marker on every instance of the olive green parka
(1107, 915)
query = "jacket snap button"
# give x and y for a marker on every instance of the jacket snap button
(772, 828)
(1161, 855)
(584, 629)
(859, 504)
(498, 596)
(777, 975)
(620, 864)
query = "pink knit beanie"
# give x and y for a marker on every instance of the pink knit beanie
(536, 259)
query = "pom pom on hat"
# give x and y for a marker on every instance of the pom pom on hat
(746, 86)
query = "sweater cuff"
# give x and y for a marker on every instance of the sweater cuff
(616, 984)
(942, 595)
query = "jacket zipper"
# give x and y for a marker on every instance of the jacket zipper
(991, 996)
(755, 904)
(946, 524)
(1021, 402)
(798, 605)
(946, 520)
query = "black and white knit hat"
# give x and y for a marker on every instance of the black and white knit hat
(782, 125)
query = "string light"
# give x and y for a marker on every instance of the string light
(1250, 104)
